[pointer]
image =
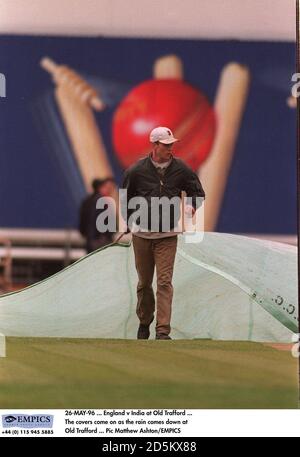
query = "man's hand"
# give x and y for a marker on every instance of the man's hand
(189, 210)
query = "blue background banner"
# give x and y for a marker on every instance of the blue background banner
(260, 196)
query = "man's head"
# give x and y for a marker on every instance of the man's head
(103, 186)
(163, 140)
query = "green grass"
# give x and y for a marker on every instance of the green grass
(93, 373)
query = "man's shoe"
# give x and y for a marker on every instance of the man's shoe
(162, 336)
(144, 331)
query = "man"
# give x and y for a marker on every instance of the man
(158, 175)
(89, 214)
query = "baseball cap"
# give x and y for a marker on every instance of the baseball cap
(163, 135)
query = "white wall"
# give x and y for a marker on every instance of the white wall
(243, 19)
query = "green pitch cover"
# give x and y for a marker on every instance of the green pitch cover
(226, 287)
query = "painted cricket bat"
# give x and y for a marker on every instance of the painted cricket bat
(229, 107)
(76, 100)
(171, 67)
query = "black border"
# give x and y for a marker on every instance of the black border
(298, 164)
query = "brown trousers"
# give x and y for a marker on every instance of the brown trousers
(159, 253)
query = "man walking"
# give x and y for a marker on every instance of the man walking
(158, 175)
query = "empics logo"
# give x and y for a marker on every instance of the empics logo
(9, 419)
(27, 421)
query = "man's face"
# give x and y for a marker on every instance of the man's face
(162, 151)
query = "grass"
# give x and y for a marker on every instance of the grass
(93, 373)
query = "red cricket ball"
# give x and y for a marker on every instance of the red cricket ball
(166, 102)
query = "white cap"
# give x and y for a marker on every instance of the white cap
(163, 135)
